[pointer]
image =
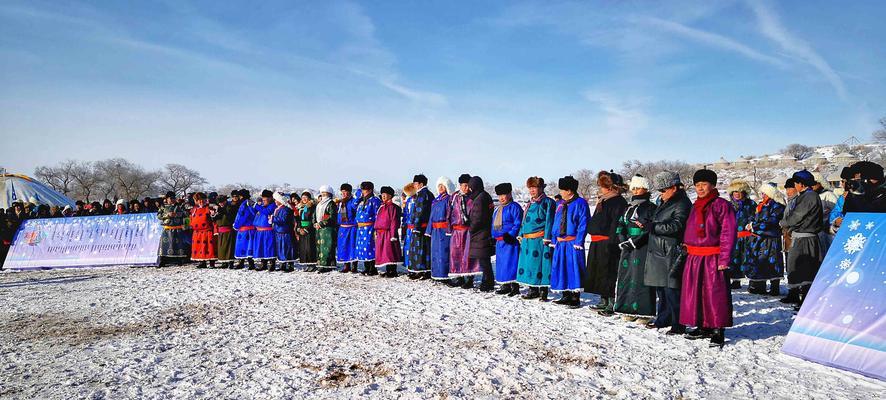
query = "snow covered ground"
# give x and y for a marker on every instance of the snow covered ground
(185, 333)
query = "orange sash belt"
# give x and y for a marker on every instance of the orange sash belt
(744, 234)
(169, 228)
(599, 238)
(410, 226)
(264, 229)
(246, 228)
(440, 225)
(703, 250)
(460, 227)
(365, 224)
(566, 239)
(534, 235)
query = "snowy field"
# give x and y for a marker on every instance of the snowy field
(185, 333)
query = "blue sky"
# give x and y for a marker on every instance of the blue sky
(321, 92)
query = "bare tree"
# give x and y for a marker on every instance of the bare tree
(842, 148)
(123, 179)
(87, 180)
(180, 179)
(650, 169)
(880, 134)
(61, 177)
(798, 151)
(587, 182)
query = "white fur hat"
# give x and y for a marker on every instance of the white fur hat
(446, 182)
(639, 181)
(771, 190)
(121, 202)
(327, 189)
(279, 197)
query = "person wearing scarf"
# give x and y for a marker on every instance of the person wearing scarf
(419, 244)
(284, 226)
(306, 235)
(263, 248)
(739, 195)
(346, 246)
(202, 227)
(325, 222)
(569, 229)
(633, 299)
(243, 224)
(460, 266)
(534, 265)
(706, 301)
(172, 240)
(764, 257)
(804, 222)
(480, 220)
(506, 221)
(367, 209)
(388, 252)
(406, 220)
(439, 230)
(603, 252)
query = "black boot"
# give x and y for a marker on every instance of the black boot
(201, 265)
(676, 330)
(736, 284)
(505, 288)
(263, 266)
(239, 264)
(718, 339)
(369, 268)
(575, 300)
(273, 266)
(354, 267)
(543, 294)
(468, 282)
(699, 333)
(391, 271)
(251, 264)
(212, 264)
(757, 287)
(793, 296)
(455, 282)
(162, 262)
(531, 294)
(774, 287)
(346, 269)
(487, 287)
(565, 298)
(515, 290)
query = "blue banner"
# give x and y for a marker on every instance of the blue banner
(131, 239)
(843, 321)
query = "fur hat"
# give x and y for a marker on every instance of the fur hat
(771, 190)
(221, 199)
(535, 182)
(819, 179)
(665, 179)
(366, 185)
(446, 182)
(169, 194)
(803, 177)
(868, 170)
(267, 193)
(639, 182)
(739, 185)
(503, 188)
(408, 189)
(326, 189)
(245, 193)
(464, 178)
(847, 173)
(617, 179)
(121, 202)
(387, 190)
(346, 186)
(705, 175)
(568, 183)
(199, 196)
(789, 183)
(279, 197)
(307, 192)
(420, 178)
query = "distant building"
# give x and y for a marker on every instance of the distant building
(844, 158)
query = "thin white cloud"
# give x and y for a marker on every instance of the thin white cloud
(709, 38)
(623, 115)
(772, 28)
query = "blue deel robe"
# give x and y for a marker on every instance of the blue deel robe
(367, 209)
(420, 245)
(441, 236)
(404, 226)
(568, 263)
(284, 225)
(243, 223)
(263, 243)
(507, 248)
(346, 245)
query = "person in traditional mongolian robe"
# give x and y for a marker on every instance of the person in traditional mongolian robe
(325, 222)
(568, 236)
(439, 230)
(506, 220)
(172, 242)
(305, 232)
(223, 217)
(346, 246)
(706, 301)
(243, 224)
(739, 196)
(420, 245)
(367, 210)
(284, 225)
(665, 255)
(202, 231)
(534, 264)
(460, 266)
(388, 252)
(603, 252)
(405, 230)
(263, 247)
(764, 260)
(482, 246)
(633, 299)
(804, 222)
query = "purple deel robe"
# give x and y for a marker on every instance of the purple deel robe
(460, 243)
(387, 227)
(706, 300)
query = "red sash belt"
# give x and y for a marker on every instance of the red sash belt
(703, 250)
(599, 238)
(263, 229)
(460, 227)
(411, 226)
(744, 234)
(499, 239)
(224, 229)
(246, 228)
(440, 225)
(566, 239)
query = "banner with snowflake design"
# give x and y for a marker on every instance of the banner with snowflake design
(843, 321)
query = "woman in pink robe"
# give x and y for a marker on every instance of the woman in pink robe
(460, 266)
(387, 226)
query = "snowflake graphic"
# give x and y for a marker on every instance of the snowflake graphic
(845, 264)
(853, 226)
(854, 244)
(869, 225)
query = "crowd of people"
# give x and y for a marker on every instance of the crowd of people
(666, 262)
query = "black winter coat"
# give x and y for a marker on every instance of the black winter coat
(665, 237)
(480, 218)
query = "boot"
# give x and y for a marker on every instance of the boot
(505, 288)
(575, 301)
(212, 264)
(365, 267)
(774, 287)
(676, 330)
(323, 270)
(162, 262)
(487, 287)
(604, 302)
(263, 266)
(564, 299)
(736, 284)
(412, 276)
(287, 267)
(793, 296)
(757, 287)
(455, 282)
(346, 269)
(468, 282)
(273, 266)
(610, 308)
(543, 294)
(201, 265)
(699, 333)
(424, 276)
(391, 271)
(369, 269)
(515, 290)
(531, 294)
(239, 264)
(251, 264)
(718, 339)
